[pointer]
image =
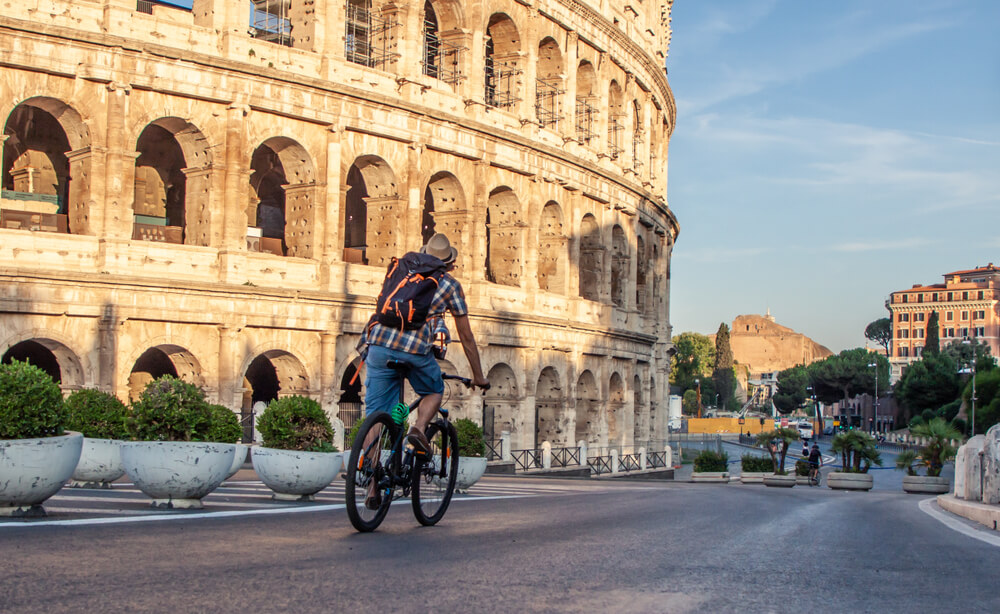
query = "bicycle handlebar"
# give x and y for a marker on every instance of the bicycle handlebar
(464, 380)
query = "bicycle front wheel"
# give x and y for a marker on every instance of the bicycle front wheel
(434, 478)
(368, 488)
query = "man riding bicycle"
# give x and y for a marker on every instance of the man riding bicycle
(815, 462)
(388, 346)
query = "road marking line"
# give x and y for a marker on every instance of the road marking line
(220, 514)
(927, 506)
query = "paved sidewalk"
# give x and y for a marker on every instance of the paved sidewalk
(984, 514)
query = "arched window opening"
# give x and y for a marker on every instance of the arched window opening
(356, 218)
(372, 212)
(269, 21)
(350, 405)
(504, 230)
(501, 404)
(619, 267)
(369, 37)
(639, 428)
(616, 401)
(36, 172)
(503, 46)
(266, 221)
(36, 354)
(591, 259)
(616, 121)
(588, 408)
(549, 424)
(638, 136)
(153, 363)
(444, 208)
(641, 265)
(552, 250)
(548, 83)
(586, 109)
(441, 58)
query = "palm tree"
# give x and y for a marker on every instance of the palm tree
(905, 460)
(938, 449)
(782, 437)
(854, 448)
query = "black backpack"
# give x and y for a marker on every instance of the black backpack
(408, 290)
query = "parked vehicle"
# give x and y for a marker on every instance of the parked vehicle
(805, 429)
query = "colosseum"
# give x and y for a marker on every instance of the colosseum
(213, 190)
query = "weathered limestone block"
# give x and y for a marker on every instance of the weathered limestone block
(991, 465)
(968, 466)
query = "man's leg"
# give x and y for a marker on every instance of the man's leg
(425, 377)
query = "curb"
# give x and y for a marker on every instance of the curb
(984, 514)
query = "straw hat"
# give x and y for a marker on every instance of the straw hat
(440, 247)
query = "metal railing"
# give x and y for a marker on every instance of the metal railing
(629, 462)
(599, 464)
(527, 459)
(494, 449)
(655, 460)
(565, 457)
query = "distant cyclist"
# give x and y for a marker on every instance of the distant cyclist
(815, 462)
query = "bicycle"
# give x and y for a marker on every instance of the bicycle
(814, 476)
(384, 469)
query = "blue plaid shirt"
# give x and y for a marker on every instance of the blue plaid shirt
(448, 297)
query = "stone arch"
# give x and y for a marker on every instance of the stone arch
(268, 376)
(160, 360)
(45, 163)
(501, 403)
(444, 207)
(638, 135)
(588, 408)
(591, 259)
(55, 358)
(616, 120)
(548, 82)
(549, 424)
(639, 429)
(616, 403)
(172, 183)
(372, 212)
(552, 250)
(504, 245)
(502, 62)
(619, 267)
(641, 268)
(281, 208)
(587, 114)
(443, 21)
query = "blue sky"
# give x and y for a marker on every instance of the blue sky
(829, 153)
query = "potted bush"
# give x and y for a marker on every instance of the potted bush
(37, 455)
(802, 472)
(776, 443)
(226, 428)
(711, 466)
(471, 454)
(100, 417)
(858, 453)
(938, 434)
(172, 458)
(296, 458)
(754, 468)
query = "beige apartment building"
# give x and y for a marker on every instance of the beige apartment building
(967, 307)
(215, 192)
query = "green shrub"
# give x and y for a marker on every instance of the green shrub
(296, 423)
(170, 409)
(31, 404)
(802, 468)
(927, 415)
(470, 438)
(96, 414)
(225, 427)
(960, 425)
(756, 464)
(710, 460)
(351, 434)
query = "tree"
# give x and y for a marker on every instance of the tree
(840, 377)
(781, 438)
(695, 359)
(933, 343)
(723, 375)
(791, 392)
(880, 331)
(689, 403)
(927, 384)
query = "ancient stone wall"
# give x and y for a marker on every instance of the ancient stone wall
(215, 193)
(765, 347)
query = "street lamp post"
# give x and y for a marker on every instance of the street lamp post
(698, 383)
(875, 406)
(973, 398)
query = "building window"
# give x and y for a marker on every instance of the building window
(980, 295)
(965, 296)
(935, 297)
(979, 331)
(904, 317)
(979, 315)
(905, 296)
(965, 333)
(918, 317)
(904, 352)
(965, 315)
(918, 351)
(951, 333)
(949, 315)
(918, 333)
(949, 296)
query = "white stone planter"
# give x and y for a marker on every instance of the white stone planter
(177, 474)
(470, 469)
(925, 485)
(32, 470)
(849, 481)
(100, 464)
(239, 458)
(295, 475)
(710, 477)
(753, 477)
(779, 481)
(802, 480)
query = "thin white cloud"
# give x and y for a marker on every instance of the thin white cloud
(881, 245)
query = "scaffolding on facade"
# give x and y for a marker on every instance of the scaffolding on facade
(586, 116)
(500, 85)
(547, 101)
(366, 41)
(615, 129)
(269, 21)
(442, 60)
(636, 151)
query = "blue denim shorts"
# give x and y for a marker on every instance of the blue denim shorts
(382, 384)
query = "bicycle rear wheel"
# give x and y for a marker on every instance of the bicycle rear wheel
(367, 490)
(434, 478)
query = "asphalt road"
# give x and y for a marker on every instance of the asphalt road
(594, 547)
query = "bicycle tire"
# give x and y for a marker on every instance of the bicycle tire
(362, 469)
(430, 492)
